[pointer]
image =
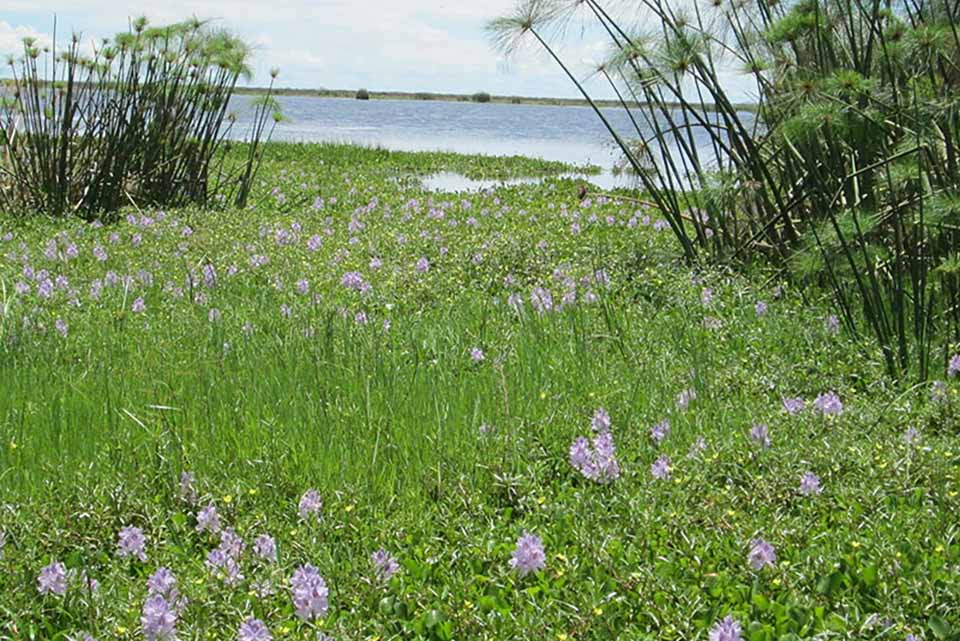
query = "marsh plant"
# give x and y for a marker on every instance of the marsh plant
(846, 177)
(143, 118)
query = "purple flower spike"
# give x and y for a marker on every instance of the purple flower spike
(529, 555)
(727, 629)
(761, 554)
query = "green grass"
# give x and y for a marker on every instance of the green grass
(441, 460)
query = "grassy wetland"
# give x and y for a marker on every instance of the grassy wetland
(262, 391)
(425, 362)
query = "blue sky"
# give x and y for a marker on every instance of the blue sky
(401, 45)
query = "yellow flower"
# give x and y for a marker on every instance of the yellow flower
(543, 395)
(252, 491)
(13, 445)
(561, 636)
(227, 498)
(597, 611)
(541, 500)
(731, 513)
(349, 508)
(855, 544)
(121, 629)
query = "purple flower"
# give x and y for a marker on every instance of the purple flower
(810, 484)
(684, 398)
(760, 435)
(253, 630)
(310, 503)
(265, 547)
(828, 404)
(159, 619)
(542, 300)
(53, 579)
(385, 564)
(132, 542)
(208, 520)
(476, 354)
(699, 447)
(832, 325)
(188, 494)
(528, 556)
(760, 308)
(163, 583)
(597, 462)
(660, 469)
(953, 368)
(225, 566)
(214, 315)
(423, 265)
(793, 406)
(310, 593)
(62, 327)
(761, 554)
(138, 306)
(660, 431)
(911, 437)
(100, 253)
(706, 296)
(727, 629)
(600, 421)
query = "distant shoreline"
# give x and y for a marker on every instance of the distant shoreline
(444, 97)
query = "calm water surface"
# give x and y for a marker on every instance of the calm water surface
(569, 134)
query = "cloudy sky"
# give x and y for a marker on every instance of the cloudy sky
(402, 45)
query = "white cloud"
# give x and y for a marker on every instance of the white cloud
(11, 38)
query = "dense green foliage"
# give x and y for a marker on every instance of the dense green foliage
(144, 119)
(273, 377)
(847, 176)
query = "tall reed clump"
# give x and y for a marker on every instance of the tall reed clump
(847, 174)
(143, 118)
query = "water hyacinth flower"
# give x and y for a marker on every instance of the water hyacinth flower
(310, 504)
(253, 630)
(528, 556)
(832, 325)
(810, 484)
(208, 520)
(911, 437)
(761, 554)
(706, 296)
(385, 565)
(953, 367)
(684, 398)
(760, 308)
(596, 461)
(699, 447)
(793, 406)
(139, 306)
(265, 548)
(660, 431)
(188, 493)
(53, 579)
(423, 265)
(132, 542)
(727, 629)
(309, 592)
(660, 469)
(600, 421)
(476, 354)
(760, 435)
(158, 620)
(828, 404)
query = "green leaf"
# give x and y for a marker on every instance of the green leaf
(940, 628)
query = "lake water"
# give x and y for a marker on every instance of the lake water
(570, 134)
